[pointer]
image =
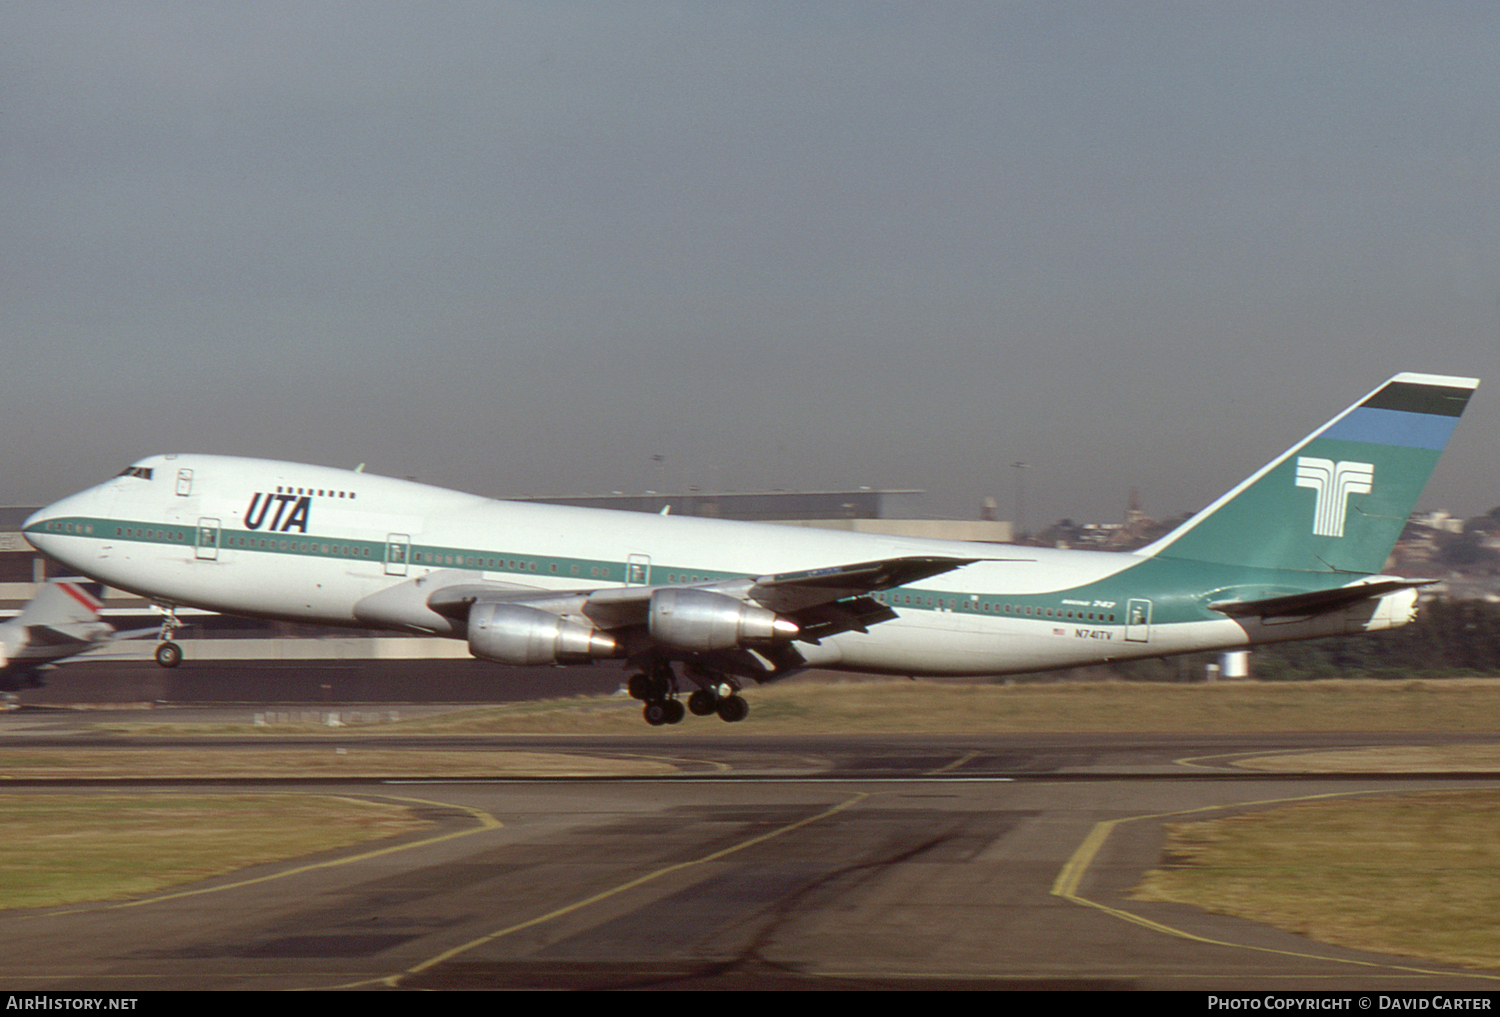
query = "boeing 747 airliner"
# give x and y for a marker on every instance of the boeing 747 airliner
(1293, 552)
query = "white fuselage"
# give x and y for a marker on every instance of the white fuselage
(309, 543)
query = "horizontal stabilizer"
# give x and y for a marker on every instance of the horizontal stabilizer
(1316, 602)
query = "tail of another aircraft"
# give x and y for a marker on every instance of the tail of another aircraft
(1336, 501)
(63, 602)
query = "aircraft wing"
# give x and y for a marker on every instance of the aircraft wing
(1316, 602)
(789, 592)
(821, 601)
(745, 625)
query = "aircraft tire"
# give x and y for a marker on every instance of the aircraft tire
(703, 703)
(675, 711)
(733, 709)
(659, 683)
(639, 687)
(655, 712)
(168, 654)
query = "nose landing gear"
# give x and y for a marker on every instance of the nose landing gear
(168, 653)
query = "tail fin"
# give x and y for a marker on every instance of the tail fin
(1337, 500)
(63, 602)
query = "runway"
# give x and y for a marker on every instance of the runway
(769, 862)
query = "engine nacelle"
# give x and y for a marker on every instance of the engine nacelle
(517, 634)
(701, 620)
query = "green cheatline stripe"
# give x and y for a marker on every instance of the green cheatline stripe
(1043, 607)
(1055, 607)
(1159, 580)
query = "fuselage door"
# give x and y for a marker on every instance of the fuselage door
(397, 552)
(207, 542)
(1138, 621)
(638, 570)
(184, 483)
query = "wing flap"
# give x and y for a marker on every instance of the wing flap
(854, 615)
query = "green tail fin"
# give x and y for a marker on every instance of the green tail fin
(1338, 499)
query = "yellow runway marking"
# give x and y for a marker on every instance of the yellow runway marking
(1072, 873)
(484, 819)
(953, 765)
(631, 884)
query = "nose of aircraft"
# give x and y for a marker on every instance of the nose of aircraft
(48, 529)
(37, 526)
(36, 518)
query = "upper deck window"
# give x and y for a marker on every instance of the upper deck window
(144, 472)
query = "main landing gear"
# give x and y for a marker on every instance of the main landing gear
(168, 653)
(658, 690)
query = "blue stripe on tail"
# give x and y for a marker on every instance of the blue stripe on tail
(1393, 427)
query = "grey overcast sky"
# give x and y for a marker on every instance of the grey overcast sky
(525, 247)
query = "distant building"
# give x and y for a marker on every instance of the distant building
(867, 510)
(762, 506)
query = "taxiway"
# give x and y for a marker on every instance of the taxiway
(916, 862)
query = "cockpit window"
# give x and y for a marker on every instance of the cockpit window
(144, 472)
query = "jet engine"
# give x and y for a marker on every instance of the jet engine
(517, 634)
(701, 620)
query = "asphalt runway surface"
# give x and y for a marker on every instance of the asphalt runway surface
(314, 682)
(764, 862)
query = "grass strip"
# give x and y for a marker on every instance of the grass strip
(862, 706)
(332, 761)
(1381, 759)
(62, 849)
(1414, 875)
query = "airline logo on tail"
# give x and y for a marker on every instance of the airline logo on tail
(1333, 483)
